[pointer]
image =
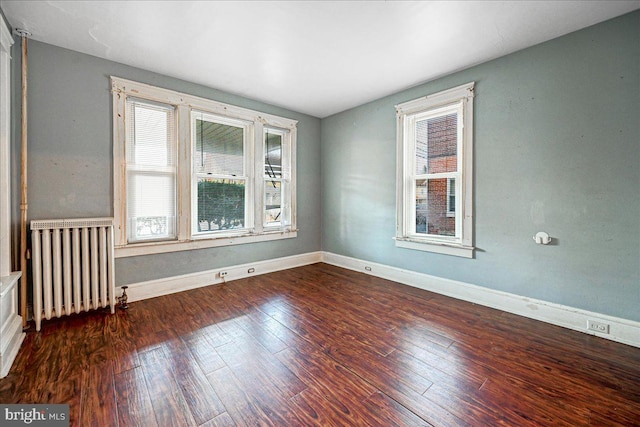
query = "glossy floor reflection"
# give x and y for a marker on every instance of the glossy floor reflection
(322, 346)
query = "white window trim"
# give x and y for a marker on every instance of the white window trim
(185, 103)
(463, 246)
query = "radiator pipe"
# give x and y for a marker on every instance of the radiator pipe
(23, 180)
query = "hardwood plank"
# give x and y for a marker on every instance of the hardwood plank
(328, 377)
(336, 396)
(98, 403)
(379, 369)
(384, 411)
(169, 405)
(595, 394)
(222, 420)
(612, 419)
(315, 409)
(204, 352)
(244, 327)
(259, 370)
(244, 409)
(535, 406)
(445, 361)
(116, 332)
(203, 402)
(132, 398)
(405, 387)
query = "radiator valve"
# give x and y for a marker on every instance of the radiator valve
(122, 300)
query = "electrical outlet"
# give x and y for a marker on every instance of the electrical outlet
(251, 270)
(603, 328)
(224, 273)
(367, 268)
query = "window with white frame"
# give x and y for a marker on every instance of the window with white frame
(191, 172)
(151, 178)
(434, 183)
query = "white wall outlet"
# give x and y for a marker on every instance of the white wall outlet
(224, 273)
(593, 325)
(542, 238)
(251, 270)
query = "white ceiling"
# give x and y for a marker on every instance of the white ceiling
(314, 57)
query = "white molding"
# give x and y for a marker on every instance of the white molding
(132, 88)
(620, 330)
(14, 338)
(11, 335)
(169, 285)
(199, 243)
(5, 149)
(6, 41)
(432, 246)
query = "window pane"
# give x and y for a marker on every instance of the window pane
(272, 203)
(451, 197)
(151, 206)
(218, 148)
(431, 208)
(221, 204)
(272, 155)
(437, 144)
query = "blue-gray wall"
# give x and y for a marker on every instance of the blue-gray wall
(557, 149)
(71, 153)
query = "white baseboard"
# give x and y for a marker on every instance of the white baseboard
(170, 285)
(620, 330)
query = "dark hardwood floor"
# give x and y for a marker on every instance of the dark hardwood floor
(322, 346)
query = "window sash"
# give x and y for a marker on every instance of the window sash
(274, 178)
(222, 226)
(411, 148)
(149, 127)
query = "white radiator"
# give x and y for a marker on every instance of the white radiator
(72, 266)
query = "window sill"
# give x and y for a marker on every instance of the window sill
(174, 246)
(436, 247)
